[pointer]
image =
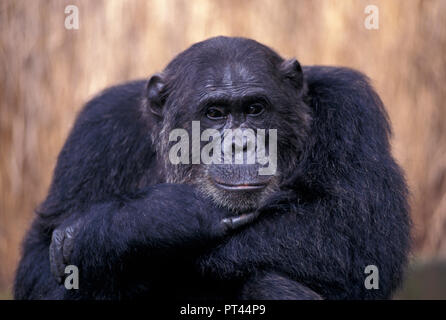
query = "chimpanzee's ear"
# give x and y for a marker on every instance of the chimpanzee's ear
(292, 71)
(155, 94)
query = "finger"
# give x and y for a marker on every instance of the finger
(242, 220)
(68, 243)
(226, 224)
(55, 252)
(239, 221)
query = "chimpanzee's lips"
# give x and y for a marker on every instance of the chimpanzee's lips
(246, 186)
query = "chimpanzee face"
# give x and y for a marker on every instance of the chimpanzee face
(232, 121)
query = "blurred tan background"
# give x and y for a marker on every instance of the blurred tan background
(47, 72)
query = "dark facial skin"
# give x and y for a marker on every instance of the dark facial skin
(232, 97)
(245, 91)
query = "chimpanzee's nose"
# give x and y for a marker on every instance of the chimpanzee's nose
(240, 144)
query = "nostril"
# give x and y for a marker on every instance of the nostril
(245, 143)
(242, 143)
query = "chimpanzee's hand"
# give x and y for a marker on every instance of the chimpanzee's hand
(61, 247)
(172, 212)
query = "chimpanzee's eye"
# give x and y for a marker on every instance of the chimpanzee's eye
(215, 113)
(255, 109)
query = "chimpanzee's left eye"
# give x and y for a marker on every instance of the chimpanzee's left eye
(255, 109)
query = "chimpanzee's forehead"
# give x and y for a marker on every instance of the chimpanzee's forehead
(232, 74)
(232, 81)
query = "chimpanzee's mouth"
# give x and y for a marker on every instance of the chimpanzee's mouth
(245, 186)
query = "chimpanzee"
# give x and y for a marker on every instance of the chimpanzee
(139, 224)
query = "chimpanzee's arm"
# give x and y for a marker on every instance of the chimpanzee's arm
(166, 222)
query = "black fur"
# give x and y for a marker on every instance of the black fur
(343, 207)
